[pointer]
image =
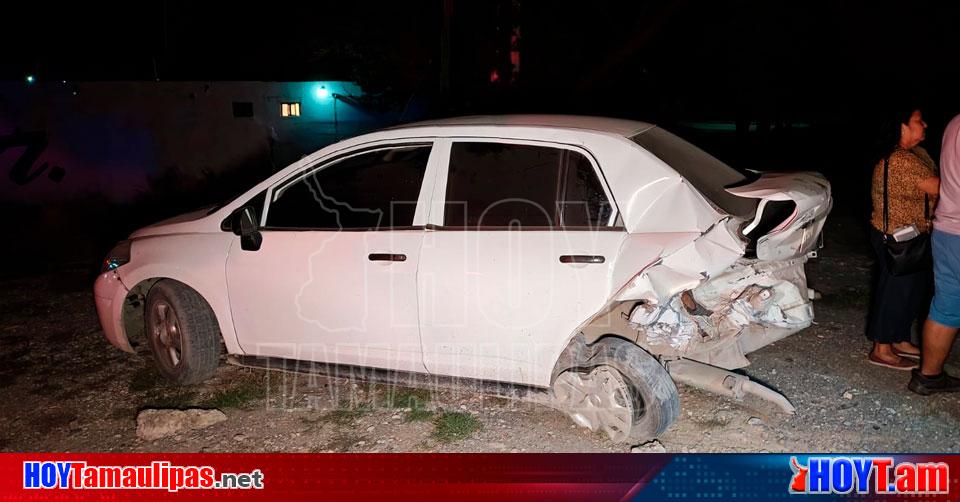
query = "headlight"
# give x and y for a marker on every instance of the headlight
(119, 255)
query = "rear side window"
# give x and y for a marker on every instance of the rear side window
(372, 190)
(515, 186)
(705, 172)
(584, 203)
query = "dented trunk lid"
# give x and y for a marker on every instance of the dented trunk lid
(790, 215)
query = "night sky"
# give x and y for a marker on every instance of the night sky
(614, 58)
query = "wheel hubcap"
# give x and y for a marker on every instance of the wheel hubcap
(166, 331)
(599, 400)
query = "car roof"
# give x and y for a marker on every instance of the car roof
(620, 127)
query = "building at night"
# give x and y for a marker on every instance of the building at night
(62, 139)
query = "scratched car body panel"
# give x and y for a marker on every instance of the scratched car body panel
(664, 246)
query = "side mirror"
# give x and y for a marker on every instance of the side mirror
(245, 223)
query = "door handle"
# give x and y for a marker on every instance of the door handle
(387, 257)
(581, 258)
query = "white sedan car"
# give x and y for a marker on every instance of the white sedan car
(592, 260)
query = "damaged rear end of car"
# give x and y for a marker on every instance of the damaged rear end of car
(738, 286)
(729, 282)
(714, 301)
(729, 292)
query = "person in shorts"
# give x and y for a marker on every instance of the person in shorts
(942, 323)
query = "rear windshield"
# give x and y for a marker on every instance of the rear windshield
(705, 172)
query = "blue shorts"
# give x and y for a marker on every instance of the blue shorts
(945, 307)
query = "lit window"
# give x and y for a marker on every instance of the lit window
(290, 109)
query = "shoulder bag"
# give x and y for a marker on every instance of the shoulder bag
(904, 257)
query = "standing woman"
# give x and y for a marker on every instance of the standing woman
(912, 188)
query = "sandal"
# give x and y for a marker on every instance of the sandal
(909, 355)
(902, 364)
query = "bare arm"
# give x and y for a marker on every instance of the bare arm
(930, 186)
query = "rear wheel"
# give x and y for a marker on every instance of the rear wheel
(621, 390)
(182, 333)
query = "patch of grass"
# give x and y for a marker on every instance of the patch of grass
(346, 416)
(237, 396)
(419, 415)
(414, 399)
(402, 397)
(452, 426)
(177, 400)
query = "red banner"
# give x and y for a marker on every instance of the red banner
(501, 477)
(291, 477)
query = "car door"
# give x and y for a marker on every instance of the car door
(335, 277)
(525, 235)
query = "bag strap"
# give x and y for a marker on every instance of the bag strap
(886, 171)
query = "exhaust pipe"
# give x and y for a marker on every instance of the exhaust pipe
(726, 383)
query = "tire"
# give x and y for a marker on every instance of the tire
(182, 333)
(620, 389)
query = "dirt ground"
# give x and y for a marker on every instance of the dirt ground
(64, 388)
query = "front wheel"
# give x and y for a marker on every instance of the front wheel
(622, 390)
(182, 333)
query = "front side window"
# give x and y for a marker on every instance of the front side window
(371, 190)
(515, 186)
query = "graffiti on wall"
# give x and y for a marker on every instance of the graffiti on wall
(25, 169)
